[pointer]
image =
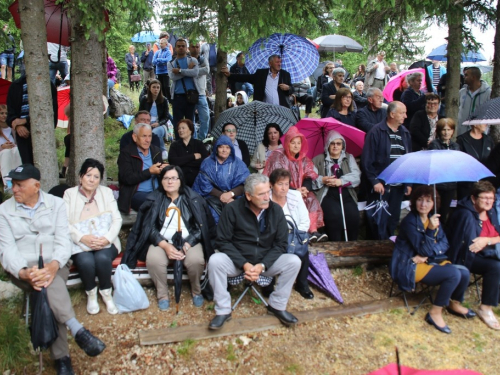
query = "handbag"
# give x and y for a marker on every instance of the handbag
(97, 226)
(135, 77)
(192, 96)
(298, 240)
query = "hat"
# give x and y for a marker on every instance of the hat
(24, 172)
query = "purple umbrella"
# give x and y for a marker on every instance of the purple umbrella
(320, 276)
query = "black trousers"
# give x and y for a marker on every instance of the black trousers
(25, 149)
(452, 280)
(308, 101)
(133, 85)
(446, 198)
(95, 263)
(334, 222)
(165, 86)
(490, 270)
(301, 282)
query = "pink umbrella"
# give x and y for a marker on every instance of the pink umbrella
(316, 129)
(63, 99)
(392, 369)
(394, 82)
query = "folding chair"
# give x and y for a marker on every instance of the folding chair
(262, 281)
(477, 279)
(427, 289)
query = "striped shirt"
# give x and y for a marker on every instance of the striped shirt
(436, 75)
(397, 148)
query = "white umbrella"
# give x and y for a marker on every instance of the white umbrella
(337, 43)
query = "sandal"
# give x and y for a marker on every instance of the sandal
(488, 318)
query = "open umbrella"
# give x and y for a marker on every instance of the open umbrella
(337, 43)
(178, 242)
(251, 120)
(319, 70)
(43, 328)
(145, 36)
(487, 113)
(440, 53)
(63, 99)
(299, 57)
(395, 81)
(315, 130)
(320, 276)
(394, 369)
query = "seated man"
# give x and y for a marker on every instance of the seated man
(141, 117)
(372, 113)
(359, 96)
(139, 165)
(252, 238)
(27, 220)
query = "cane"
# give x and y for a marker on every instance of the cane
(335, 169)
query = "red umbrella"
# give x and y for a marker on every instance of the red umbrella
(313, 43)
(4, 89)
(392, 369)
(63, 99)
(56, 21)
(394, 82)
(316, 129)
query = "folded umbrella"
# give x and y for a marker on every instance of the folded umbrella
(178, 242)
(320, 276)
(379, 215)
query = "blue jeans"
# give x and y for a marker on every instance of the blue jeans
(204, 115)
(62, 66)
(7, 59)
(160, 132)
(111, 84)
(246, 86)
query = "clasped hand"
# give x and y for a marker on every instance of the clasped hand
(94, 242)
(40, 278)
(252, 272)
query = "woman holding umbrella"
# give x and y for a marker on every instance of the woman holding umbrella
(420, 240)
(270, 143)
(445, 128)
(343, 107)
(338, 169)
(293, 157)
(151, 236)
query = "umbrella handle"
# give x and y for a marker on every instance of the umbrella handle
(179, 220)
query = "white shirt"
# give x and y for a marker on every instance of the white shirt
(380, 72)
(272, 89)
(170, 225)
(8, 134)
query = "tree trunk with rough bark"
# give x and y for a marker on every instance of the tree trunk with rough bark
(221, 79)
(455, 16)
(87, 121)
(43, 137)
(495, 87)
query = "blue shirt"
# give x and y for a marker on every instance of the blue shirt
(188, 81)
(272, 89)
(150, 184)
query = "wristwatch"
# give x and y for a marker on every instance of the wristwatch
(489, 241)
(232, 193)
(180, 70)
(263, 267)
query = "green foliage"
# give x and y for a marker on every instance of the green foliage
(186, 348)
(15, 339)
(231, 355)
(357, 271)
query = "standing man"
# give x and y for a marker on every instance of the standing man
(252, 239)
(148, 70)
(28, 220)
(183, 71)
(376, 72)
(436, 71)
(373, 113)
(201, 83)
(7, 56)
(161, 59)
(272, 85)
(384, 143)
(240, 68)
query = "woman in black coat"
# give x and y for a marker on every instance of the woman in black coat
(157, 106)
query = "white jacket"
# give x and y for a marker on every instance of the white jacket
(105, 200)
(298, 209)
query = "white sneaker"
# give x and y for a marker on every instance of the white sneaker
(92, 304)
(108, 300)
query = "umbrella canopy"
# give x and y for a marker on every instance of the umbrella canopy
(299, 57)
(392, 369)
(315, 130)
(4, 89)
(319, 70)
(487, 113)
(337, 43)
(251, 120)
(145, 36)
(56, 21)
(440, 53)
(320, 276)
(434, 167)
(178, 242)
(395, 81)
(378, 213)
(63, 99)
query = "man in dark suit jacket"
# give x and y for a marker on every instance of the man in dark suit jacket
(264, 81)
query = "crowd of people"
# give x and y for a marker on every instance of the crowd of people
(235, 222)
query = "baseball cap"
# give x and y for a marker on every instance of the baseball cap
(24, 172)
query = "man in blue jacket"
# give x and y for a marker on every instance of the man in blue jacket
(161, 59)
(384, 143)
(147, 63)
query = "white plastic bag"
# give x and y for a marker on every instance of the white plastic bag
(128, 295)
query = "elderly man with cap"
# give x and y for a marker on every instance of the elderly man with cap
(28, 220)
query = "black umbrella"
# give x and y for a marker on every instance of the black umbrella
(428, 79)
(319, 70)
(43, 328)
(378, 215)
(178, 242)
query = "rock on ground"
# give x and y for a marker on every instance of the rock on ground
(8, 290)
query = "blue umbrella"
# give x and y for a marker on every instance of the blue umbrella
(440, 52)
(299, 57)
(145, 36)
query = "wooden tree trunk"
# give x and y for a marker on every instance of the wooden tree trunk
(87, 121)
(221, 79)
(455, 16)
(495, 87)
(34, 36)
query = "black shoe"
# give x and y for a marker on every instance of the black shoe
(305, 293)
(219, 321)
(90, 344)
(63, 366)
(267, 290)
(313, 238)
(470, 314)
(323, 238)
(284, 316)
(444, 329)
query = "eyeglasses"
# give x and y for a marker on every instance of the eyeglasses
(433, 103)
(173, 179)
(230, 131)
(336, 143)
(486, 199)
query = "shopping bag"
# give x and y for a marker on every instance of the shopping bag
(129, 295)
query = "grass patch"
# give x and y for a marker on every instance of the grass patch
(231, 355)
(3, 275)
(479, 342)
(15, 339)
(173, 324)
(294, 368)
(186, 347)
(357, 271)
(210, 307)
(396, 311)
(77, 295)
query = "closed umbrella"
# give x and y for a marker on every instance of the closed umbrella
(251, 120)
(440, 54)
(178, 242)
(299, 57)
(320, 276)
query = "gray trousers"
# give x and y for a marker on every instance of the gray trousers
(379, 84)
(148, 75)
(157, 262)
(220, 267)
(60, 304)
